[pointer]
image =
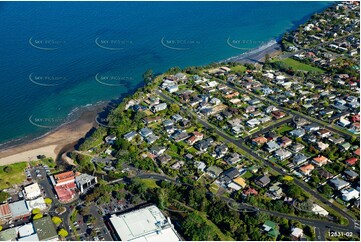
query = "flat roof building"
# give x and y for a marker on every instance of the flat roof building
(32, 191)
(19, 210)
(85, 181)
(145, 224)
(45, 229)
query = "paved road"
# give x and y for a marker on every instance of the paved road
(351, 225)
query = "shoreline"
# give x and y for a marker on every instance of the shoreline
(51, 143)
(257, 55)
(56, 141)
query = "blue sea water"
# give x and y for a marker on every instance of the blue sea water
(56, 57)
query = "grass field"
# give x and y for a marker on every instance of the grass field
(150, 183)
(301, 66)
(239, 68)
(13, 174)
(284, 128)
(247, 175)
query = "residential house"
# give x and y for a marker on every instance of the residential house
(130, 136)
(345, 146)
(299, 159)
(338, 183)
(145, 132)
(232, 158)
(253, 122)
(285, 142)
(296, 234)
(271, 146)
(157, 150)
(196, 136)
(312, 127)
(180, 135)
(324, 133)
(297, 147)
(319, 160)
(200, 165)
(349, 194)
(310, 138)
(351, 175)
(172, 89)
(263, 181)
(307, 169)
(214, 171)
(177, 118)
(351, 161)
(322, 146)
(275, 191)
(249, 191)
(336, 141)
(259, 141)
(164, 159)
(297, 133)
(282, 154)
(228, 175)
(271, 228)
(159, 107)
(150, 139)
(220, 151)
(110, 139)
(203, 145)
(278, 114)
(150, 120)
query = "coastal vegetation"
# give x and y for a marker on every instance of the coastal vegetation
(12, 174)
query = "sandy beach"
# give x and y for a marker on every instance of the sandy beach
(257, 55)
(51, 144)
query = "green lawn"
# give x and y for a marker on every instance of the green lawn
(247, 175)
(283, 129)
(14, 174)
(239, 68)
(301, 66)
(150, 183)
(214, 188)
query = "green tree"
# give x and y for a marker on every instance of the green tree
(148, 76)
(56, 220)
(36, 211)
(174, 108)
(37, 216)
(63, 233)
(3, 196)
(48, 201)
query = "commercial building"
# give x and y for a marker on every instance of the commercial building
(36, 203)
(19, 210)
(32, 191)
(145, 224)
(45, 229)
(5, 213)
(85, 181)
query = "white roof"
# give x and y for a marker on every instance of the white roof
(33, 237)
(32, 190)
(234, 186)
(297, 232)
(36, 203)
(145, 224)
(25, 230)
(319, 210)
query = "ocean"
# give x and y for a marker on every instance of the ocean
(58, 58)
